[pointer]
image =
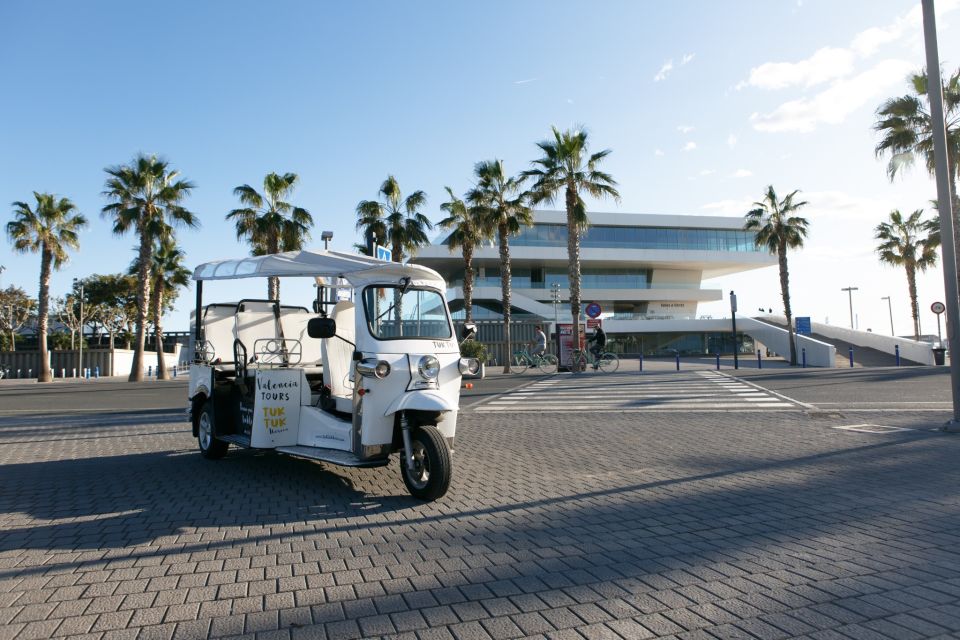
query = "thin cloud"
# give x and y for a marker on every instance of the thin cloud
(741, 173)
(707, 172)
(684, 128)
(664, 71)
(527, 81)
(690, 146)
(688, 57)
(731, 140)
(658, 152)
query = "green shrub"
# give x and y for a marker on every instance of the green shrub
(474, 349)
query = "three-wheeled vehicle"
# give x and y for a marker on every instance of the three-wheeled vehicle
(372, 369)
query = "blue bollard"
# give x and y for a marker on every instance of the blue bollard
(96, 372)
(718, 362)
(678, 361)
(896, 351)
(851, 357)
(641, 363)
(803, 352)
(759, 360)
(150, 371)
(175, 371)
(88, 373)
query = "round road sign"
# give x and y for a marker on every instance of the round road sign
(594, 310)
(938, 308)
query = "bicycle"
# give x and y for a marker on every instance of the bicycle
(607, 362)
(522, 360)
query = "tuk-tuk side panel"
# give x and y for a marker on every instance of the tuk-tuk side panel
(278, 395)
(201, 380)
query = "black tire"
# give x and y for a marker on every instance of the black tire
(434, 465)
(519, 364)
(210, 447)
(608, 362)
(549, 364)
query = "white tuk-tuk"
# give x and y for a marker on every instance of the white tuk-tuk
(373, 368)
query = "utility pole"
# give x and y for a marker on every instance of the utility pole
(850, 291)
(944, 204)
(555, 296)
(890, 309)
(733, 316)
(79, 283)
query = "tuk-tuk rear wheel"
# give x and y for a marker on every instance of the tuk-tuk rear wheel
(210, 447)
(433, 465)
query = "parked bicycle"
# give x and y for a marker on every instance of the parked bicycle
(4, 371)
(522, 360)
(607, 362)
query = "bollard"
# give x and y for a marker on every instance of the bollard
(851, 357)
(896, 351)
(87, 373)
(803, 352)
(150, 371)
(74, 372)
(96, 371)
(641, 363)
(63, 373)
(678, 361)
(718, 361)
(29, 373)
(18, 373)
(175, 370)
(759, 360)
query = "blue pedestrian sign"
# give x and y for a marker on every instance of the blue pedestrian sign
(803, 325)
(383, 253)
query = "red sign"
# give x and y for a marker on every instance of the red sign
(566, 343)
(593, 323)
(593, 310)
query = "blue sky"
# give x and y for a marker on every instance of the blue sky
(703, 104)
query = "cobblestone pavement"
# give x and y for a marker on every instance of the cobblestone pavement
(560, 525)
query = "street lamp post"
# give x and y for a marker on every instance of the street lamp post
(850, 291)
(890, 309)
(79, 283)
(733, 316)
(555, 296)
(326, 236)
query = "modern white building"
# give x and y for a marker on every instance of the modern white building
(646, 271)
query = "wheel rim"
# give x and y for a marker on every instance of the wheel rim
(205, 431)
(608, 363)
(420, 476)
(548, 364)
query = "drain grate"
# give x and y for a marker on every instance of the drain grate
(871, 428)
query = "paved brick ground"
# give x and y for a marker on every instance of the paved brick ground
(686, 525)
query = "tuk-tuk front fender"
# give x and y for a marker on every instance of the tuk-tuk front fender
(420, 401)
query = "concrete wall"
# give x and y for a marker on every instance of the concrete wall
(819, 354)
(921, 352)
(66, 363)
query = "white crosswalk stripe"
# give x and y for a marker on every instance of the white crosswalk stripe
(695, 390)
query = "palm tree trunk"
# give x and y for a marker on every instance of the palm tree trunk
(162, 373)
(914, 307)
(43, 313)
(143, 305)
(505, 293)
(468, 282)
(952, 170)
(785, 292)
(273, 282)
(573, 268)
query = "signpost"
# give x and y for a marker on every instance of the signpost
(593, 310)
(803, 325)
(938, 308)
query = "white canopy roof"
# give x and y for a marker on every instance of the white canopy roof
(355, 269)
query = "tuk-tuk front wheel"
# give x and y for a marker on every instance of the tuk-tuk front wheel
(210, 447)
(432, 464)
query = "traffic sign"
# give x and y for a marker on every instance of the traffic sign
(938, 308)
(593, 323)
(383, 253)
(803, 325)
(594, 310)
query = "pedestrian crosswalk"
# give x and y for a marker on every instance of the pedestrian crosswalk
(694, 390)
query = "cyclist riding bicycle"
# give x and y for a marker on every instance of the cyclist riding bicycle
(539, 343)
(599, 340)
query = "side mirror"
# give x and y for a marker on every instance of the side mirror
(469, 330)
(321, 327)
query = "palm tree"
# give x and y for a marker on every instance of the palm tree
(146, 197)
(168, 275)
(49, 229)
(467, 232)
(395, 220)
(503, 207)
(777, 228)
(567, 166)
(269, 223)
(906, 133)
(910, 243)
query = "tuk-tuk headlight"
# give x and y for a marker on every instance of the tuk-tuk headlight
(429, 367)
(469, 366)
(372, 367)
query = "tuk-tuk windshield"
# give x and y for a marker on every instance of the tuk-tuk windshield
(394, 314)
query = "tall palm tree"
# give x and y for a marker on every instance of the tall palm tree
(568, 166)
(49, 229)
(146, 197)
(777, 227)
(269, 223)
(169, 274)
(503, 207)
(395, 220)
(906, 133)
(910, 243)
(466, 233)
